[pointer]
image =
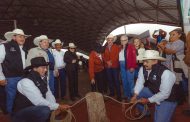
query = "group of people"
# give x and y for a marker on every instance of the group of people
(147, 75)
(29, 79)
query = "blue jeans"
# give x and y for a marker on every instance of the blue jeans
(11, 89)
(128, 80)
(62, 79)
(51, 81)
(113, 81)
(32, 114)
(163, 112)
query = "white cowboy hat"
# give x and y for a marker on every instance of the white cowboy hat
(150, 54)
(72, 45)
(40, 38)
(111, 36)
(57, 41)
(9, 35)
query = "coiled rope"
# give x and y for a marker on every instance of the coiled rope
(129, 116)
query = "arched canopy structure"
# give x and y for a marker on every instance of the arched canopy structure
(83, 21)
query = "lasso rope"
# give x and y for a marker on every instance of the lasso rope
(128, 110)
(133, 104)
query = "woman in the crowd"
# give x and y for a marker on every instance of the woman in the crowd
(174, 49)
(139, 46)
(71, 60)
(127, 60)
(42, 42)
(96, 69)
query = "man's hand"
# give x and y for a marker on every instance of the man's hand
(93, 81)
(56, 73)
(109, 63)
(144, 101)
(3, 82)
(161, 46)
(74, 61)
(63, 107)
(133, 99)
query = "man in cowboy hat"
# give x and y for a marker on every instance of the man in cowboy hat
(71, 67)
(42, 42)
(111, 59)
(12, 63)
(60, 66)
(34, 100)
(155, 84)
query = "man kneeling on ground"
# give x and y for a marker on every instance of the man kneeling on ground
(34, 100)
(156, 84)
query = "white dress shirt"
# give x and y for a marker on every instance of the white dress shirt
(121, 55)
(2, 58)
(28, 89)
(168, 79)
(59, 59)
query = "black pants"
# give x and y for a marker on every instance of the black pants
(3, 99)
(73, 82)
(100, 82)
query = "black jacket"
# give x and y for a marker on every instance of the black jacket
(12, 64)
(68, 57)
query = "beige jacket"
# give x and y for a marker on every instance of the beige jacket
(36, 52)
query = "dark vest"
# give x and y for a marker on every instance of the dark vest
(12, 65)
(154, 80)
(22, 101)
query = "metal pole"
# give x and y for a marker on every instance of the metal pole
(125, 29)
(15, 24)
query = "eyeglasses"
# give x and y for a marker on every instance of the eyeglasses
(124, 40)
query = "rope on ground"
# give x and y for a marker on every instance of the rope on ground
(128, 110)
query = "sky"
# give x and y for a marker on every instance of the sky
(141, 27)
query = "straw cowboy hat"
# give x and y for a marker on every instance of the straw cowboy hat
(111, 36)
(9, 35)
(40, 38)
(72, 45)
(57, 41)
(150, 54)
(36, 62)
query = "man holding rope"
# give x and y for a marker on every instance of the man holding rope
(34, 100)
(156, 84)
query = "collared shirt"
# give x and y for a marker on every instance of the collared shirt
(2, 58)
(28, 89)
(121, 55)
(178, 46)
(59, 59)
(167, 81)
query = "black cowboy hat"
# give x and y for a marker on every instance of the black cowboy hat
(37, 62)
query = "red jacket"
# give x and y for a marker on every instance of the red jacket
(95, 64)
(112, 55)
(130, 57)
